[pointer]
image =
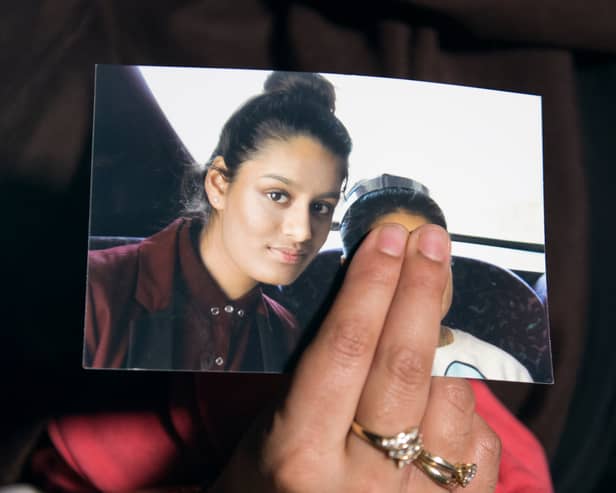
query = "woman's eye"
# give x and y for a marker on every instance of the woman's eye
(322, 208)
(278, 197)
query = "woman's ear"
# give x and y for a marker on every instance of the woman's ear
(216, 183)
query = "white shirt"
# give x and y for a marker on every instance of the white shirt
(470, 357)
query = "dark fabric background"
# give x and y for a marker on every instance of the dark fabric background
(563, 52)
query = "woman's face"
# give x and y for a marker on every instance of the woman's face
(411, 222)
(276, 213)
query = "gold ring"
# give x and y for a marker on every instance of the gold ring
(444, 472)
(403, 448)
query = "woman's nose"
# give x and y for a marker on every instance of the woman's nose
(297, 224)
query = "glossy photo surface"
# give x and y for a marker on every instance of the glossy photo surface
(217, 241)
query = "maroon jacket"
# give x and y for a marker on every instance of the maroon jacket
(134, 292)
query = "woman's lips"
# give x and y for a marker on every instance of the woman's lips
(288, 255)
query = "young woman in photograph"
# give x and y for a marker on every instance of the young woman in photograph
(190, 296)
(399, 200)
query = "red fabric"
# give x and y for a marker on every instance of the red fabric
(183, 442)
(524, 467)
(125, 451)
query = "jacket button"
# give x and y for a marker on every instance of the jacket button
(219, 361)
(228, 308)
(214, 310)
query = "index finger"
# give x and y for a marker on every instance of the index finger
(331, 373)
(397, 388)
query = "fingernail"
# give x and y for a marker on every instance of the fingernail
(392, 239)
(434, 243)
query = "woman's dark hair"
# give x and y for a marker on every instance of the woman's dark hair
(363, 213)
(292, 104)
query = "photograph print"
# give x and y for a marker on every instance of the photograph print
(227, 203)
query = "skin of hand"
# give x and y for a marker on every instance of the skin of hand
(371, 361)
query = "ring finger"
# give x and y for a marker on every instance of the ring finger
(448, 429)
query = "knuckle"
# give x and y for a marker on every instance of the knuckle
(459, 395)
(490, 446)
(284, 477)
(426, 280)
(294, 472)
(379, 275)
(350, 339)
(408, 368)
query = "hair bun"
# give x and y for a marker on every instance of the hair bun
(305, 85)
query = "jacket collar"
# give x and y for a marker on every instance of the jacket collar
(157, 267)
(159, 264)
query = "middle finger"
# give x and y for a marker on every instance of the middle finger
(396, 390)
(332, 371)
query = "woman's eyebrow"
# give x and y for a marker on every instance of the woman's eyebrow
(283, 179)
(334, 194)
(330, 195)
